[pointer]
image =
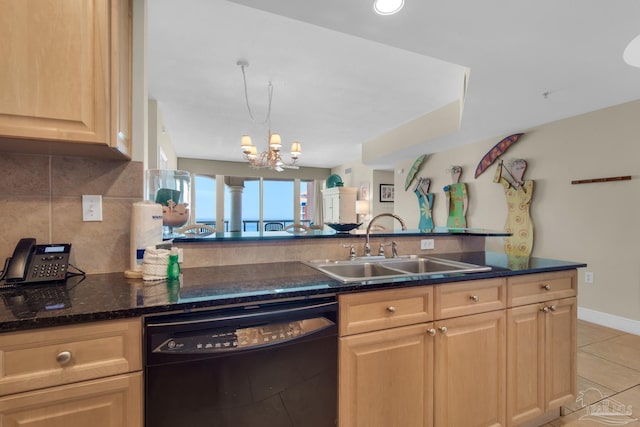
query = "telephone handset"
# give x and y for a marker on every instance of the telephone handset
(38, 263)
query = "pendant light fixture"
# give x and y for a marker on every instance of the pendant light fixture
(270, 158)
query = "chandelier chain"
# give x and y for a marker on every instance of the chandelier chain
(267, 120)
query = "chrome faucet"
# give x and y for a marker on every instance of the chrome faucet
(352, 251)
(367, 245)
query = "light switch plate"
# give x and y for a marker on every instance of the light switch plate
(91, 207)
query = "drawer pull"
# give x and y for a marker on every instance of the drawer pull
(431, 332)
(546, 287)
(63, 357)
(552, 308)
(391, 309)
(474, 298)
(544, 309)
(443, 329)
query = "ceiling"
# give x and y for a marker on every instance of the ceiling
(342, 75)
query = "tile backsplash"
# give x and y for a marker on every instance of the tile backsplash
(41, 197)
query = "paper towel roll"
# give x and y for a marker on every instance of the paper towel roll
(146, 230)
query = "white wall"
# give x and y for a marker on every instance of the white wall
(159, 141)
(593, 223)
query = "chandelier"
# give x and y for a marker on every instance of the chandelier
(271, 157)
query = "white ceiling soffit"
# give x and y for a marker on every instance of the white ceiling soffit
(343, 75)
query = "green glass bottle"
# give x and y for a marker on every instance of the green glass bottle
(173, 269)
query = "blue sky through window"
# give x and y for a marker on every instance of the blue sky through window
(278, 200)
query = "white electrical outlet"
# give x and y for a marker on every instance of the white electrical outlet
(427, 244)
(588, 277)
(92, 208)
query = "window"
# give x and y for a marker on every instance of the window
(278, 199)
(278, 202)
(205, 200)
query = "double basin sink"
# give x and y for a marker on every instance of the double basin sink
(380, 268)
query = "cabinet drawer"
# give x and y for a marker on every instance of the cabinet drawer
(534, 288)
(372, 311)
(47, 357)
(477, 296)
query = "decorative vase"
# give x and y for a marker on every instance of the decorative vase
(171, 189)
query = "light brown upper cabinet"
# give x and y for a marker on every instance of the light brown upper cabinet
(65, 77)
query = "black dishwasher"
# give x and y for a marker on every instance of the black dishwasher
(271, 365)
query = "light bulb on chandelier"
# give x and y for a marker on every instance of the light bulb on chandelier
(270, 158)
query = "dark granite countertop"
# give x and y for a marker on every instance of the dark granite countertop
(111, 296)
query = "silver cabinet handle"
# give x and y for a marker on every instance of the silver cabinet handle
(546, 287)
(63, 357)
(431, 332)
(443, 329)
(552, 308)
(122, 136)
(474, 298)
(544, 309)
(391, 309)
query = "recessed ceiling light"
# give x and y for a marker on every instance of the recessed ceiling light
(387, 7)
(631, 53)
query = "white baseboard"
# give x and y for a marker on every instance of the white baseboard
(609, 320)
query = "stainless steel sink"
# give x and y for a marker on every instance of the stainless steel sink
(378, 268)
(358, 271)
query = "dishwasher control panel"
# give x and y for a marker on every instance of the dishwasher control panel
(242, 338)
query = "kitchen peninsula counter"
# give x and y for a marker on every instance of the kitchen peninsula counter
(99, 297)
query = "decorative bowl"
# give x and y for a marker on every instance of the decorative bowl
(334, 181)
(342, 228)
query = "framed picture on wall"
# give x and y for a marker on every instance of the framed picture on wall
(386, 193)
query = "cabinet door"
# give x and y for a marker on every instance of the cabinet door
(65, 76)
(541, 365)
(525, 363)
(110, 402)
(55, 69)
(560, 352)
(470, 371)
(386, 378)
(328, 209)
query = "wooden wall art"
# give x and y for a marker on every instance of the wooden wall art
(457, 200)
(518, 193)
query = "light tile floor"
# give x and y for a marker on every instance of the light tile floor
(608, 372)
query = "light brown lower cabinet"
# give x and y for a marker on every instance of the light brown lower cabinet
(541, 363)
(445, 373)
(72, 376)
(107, 402)
(481, 353)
